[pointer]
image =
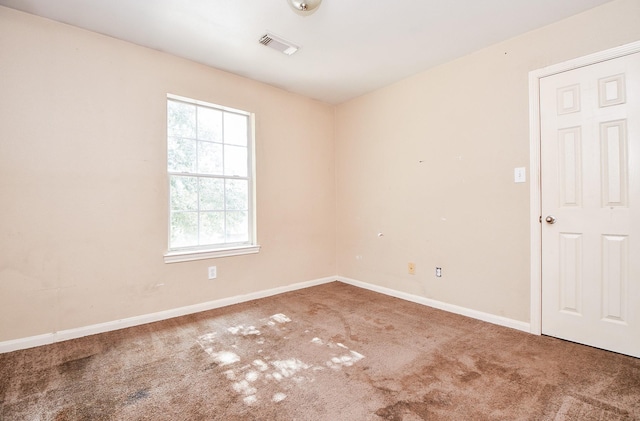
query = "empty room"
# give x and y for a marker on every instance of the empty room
(322, 210)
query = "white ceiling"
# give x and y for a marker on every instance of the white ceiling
(349, 47)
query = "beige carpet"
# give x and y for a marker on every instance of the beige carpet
(332, 352)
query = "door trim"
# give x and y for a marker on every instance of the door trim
(534, 165)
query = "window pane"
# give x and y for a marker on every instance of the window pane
(209, 158)
(237, 227)
(211, 194)
(209, 124)
(184, 229)
(181, 154)
(211, 228)
(235, 129)
(181, 119)
(235, 160)
(184, 193)
(237, 195)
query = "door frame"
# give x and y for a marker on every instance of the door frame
(534, 165)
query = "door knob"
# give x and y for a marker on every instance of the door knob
(550, 219)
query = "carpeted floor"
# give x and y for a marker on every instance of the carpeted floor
(332, 352)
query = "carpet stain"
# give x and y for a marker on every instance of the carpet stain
(317, 307)
(86, 411)
(470, 376)
(65, 415)
(38, 383)
(399, 410)
(627, 382)
(74, 366)
(437, 398)
(210, 366)
(491, 368)
(138, 395)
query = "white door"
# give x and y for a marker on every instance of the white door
(590, 172)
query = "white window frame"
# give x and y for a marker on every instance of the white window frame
(184, 254)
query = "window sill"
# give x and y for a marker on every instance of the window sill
(186, 256)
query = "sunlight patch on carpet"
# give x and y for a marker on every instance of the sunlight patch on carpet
(242, 330)
(339, 361)
(278, 397)
(280, 318)
(229, 349)
(223, 358)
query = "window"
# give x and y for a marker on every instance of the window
(210, 168)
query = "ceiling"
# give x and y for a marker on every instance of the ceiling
(349, 47)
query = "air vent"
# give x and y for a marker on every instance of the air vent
(279, 44)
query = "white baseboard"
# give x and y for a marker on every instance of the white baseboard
(475, 314)
(63, 335)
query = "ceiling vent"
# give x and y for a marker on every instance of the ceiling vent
(279, 44)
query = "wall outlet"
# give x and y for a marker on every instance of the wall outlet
(412, 268)
(213, 272)
(438, 272)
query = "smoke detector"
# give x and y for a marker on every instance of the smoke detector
(277, 43)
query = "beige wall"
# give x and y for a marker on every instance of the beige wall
(429, 163)
(83, 189)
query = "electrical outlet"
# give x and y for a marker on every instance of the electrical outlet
(213, 272)
(412, 268)
(438, 272)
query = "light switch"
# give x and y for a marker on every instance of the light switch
(520, 175)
